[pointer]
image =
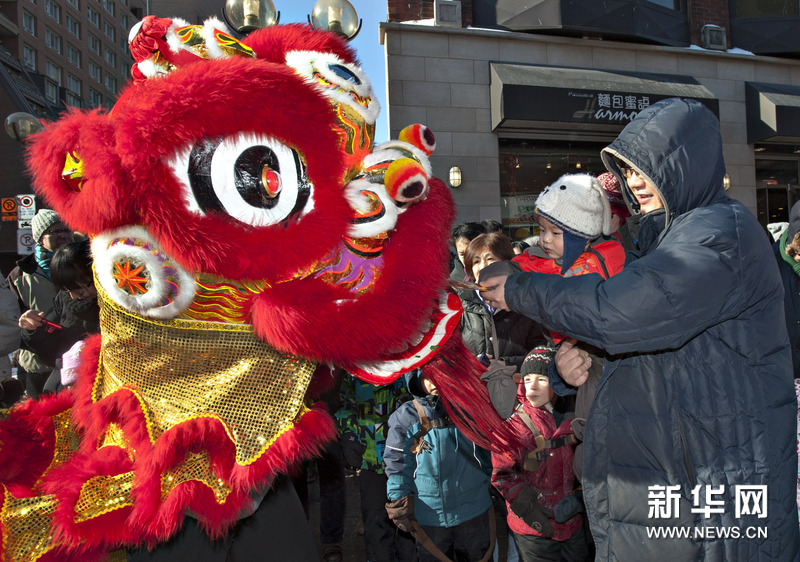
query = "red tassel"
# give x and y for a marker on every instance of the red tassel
(456, 373)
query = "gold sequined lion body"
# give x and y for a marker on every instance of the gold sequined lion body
(247, 236)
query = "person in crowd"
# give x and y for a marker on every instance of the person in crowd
(362, 420)
(498, 337)
(697, 403)
(574, 216)
(490, 226)
(620, 213)
(75, 313)
(328, 468)
(787, 252)
(513, 333)
(535, 478)
(438, 480)
(520, 246)
(31, 282)
(9, 331)
(463, 234)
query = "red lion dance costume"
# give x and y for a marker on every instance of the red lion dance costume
(247, 237)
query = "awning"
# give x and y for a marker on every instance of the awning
(773, 112)
(550, 97)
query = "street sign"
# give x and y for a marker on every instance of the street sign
(9, 208)
(25, 242)
(26, 207)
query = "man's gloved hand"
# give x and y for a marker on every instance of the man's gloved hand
(534, 514)
(352, 450)
(401, 512)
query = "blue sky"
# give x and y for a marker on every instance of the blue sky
(367, 45)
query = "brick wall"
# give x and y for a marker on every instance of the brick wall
(702, 12)
(408, 10)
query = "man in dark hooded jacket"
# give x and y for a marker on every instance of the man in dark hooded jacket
(692, 431)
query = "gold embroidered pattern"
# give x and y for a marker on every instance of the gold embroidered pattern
(183, 369)
(102, 494)
(195, 467)
(222, 301)
(26, 524)
(67, 440)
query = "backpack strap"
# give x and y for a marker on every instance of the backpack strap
(602, 261)
(540, 453)
(425, 425)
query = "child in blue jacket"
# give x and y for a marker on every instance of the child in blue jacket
(438, 485)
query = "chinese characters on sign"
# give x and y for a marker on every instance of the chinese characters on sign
(663, 501)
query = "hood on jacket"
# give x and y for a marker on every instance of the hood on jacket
(414, 386)
(676, 145)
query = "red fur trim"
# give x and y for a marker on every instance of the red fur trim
(125, 158)
(307, 318)
(456, 373)
(325, 379)
(151, 520)
(272, 43)
(27, 439)
(66, 483)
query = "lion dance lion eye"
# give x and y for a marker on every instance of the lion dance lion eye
(270, 181)
(253, 178)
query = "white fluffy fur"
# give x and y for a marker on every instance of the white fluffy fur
(209, 27)
(394, 150)
(172, 37)
(106, 252)
(359, 202)
(308, 62)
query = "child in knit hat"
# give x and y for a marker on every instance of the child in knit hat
(575, 221)
(535, 477)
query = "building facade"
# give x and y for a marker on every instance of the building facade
(519, 95)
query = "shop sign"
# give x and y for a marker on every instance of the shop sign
(521, 209)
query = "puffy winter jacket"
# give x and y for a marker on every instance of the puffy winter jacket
(700, 393)
(449, 476)
(553, 478)
(35, 291)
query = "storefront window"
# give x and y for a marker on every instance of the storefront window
(528, 166)
(777, 186)
(766, 8)
(669, 4)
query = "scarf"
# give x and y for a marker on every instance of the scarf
(43, 257)
(782, 251)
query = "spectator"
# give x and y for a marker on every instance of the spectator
(787, 252)
(498, 337)
(30, 280)
(75, 310)
(698, 398)
(536, 479)
(438, 485)
(9, 331)
(490, 226)
(573, 215)
(331, 479)
(620, 213)
(463, 234)
(362, 421)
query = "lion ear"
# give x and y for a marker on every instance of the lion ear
(74, 169)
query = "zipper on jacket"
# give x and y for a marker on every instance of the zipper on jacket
(687, 461)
